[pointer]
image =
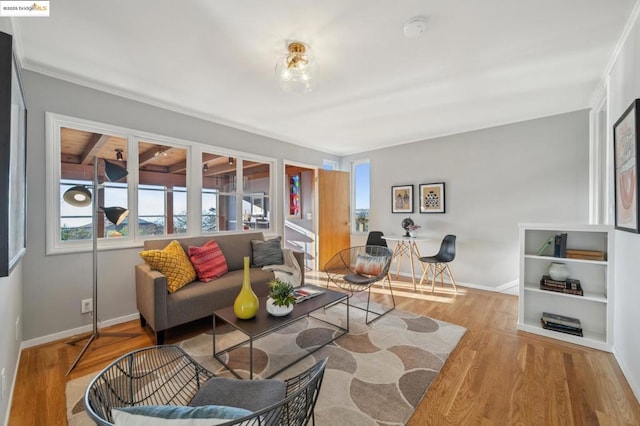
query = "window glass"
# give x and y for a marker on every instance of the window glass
(79, 151)
(235, 194)
(256, 182)
(219, 182)
(162, 201)
(361, 195)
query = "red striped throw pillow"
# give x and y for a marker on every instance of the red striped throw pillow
(208, 261)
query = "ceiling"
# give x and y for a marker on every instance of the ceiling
(477, 65)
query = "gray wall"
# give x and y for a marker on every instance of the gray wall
(624, 87)
(55, 285)
(10, 309)
(532, 171)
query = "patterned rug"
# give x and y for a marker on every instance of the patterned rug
(376, 374)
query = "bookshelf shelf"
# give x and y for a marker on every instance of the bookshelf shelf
(594, 308)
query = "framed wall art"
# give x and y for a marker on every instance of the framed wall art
(295, 196)
(13, 125)
(432, 198)
(625, 157)
(402, 199)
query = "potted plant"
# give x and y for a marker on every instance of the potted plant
(280, 301)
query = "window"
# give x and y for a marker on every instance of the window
(361, 195)
(161, 189)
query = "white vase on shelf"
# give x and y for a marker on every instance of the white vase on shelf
(558, 271)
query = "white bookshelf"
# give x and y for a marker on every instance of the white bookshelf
(594, 309)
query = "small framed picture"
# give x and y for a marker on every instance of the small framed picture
(402, 199)
(432, 198)
(626, 143)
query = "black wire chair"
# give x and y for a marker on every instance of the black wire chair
(357, 269)
(166, 375)
(439, 263)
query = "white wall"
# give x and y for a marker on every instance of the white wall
(55, 285)
(624, 87)
(10, 311)
(532, 171)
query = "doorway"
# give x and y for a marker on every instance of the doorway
(299, 211)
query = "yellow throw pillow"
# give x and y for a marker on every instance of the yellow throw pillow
(173, 263)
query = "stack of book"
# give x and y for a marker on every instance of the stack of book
(570, 286)
(561, 323)
(585, 254)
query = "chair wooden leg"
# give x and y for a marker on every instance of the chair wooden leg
(453, 281)
(433, 279)
(424, 274)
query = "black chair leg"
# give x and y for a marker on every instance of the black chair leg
(379, 315)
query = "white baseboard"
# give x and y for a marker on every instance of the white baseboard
(508, 288)
(13, 386)
(75, 331)
(635, 387)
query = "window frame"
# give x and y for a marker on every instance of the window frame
(354, 224)
(55, 122)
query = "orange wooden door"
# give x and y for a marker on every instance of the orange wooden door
(334, 214)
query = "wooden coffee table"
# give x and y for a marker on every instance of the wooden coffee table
(264, 324)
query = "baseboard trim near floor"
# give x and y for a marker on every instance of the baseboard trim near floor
(507, 288)
(75, 331)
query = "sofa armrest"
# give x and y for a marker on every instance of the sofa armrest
(151, 296)
(300, 258)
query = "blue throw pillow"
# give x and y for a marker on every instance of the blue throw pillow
(175, 415)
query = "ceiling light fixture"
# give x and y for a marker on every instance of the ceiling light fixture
(205, 168)
(297, 70)
(119, 155)
(231, 161)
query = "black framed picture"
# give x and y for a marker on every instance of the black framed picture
(13, 165)
(625, 158)
(402, 199)
(432, 198)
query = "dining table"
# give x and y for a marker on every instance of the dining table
(406, 247)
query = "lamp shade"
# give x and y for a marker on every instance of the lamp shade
(77, 196)
(114, 171)
(115, 214)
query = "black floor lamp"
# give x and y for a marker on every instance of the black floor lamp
(80, 196)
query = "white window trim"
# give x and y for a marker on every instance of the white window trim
(54, 122)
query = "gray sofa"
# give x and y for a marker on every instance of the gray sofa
(162, 310)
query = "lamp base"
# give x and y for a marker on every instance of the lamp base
(92, 337)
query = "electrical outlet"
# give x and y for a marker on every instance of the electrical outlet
(86, 306)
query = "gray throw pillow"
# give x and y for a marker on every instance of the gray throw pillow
(252, 395)
(267, 252)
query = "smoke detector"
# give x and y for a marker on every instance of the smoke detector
(415, 27)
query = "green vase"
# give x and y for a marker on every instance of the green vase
(246, 303)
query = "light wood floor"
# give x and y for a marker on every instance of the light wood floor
(495, 376)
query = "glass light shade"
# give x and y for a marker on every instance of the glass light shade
(116, 215)
(77, 196)
(297, 71)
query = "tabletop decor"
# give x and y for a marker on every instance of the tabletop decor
(402, 199)
(246, 303)
(625, 147)
(432, 197)
(281, 300)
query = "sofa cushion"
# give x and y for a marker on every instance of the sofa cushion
(177, 415)
(208, 261)
(252, 395)
(267, 252)
(173, 263)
